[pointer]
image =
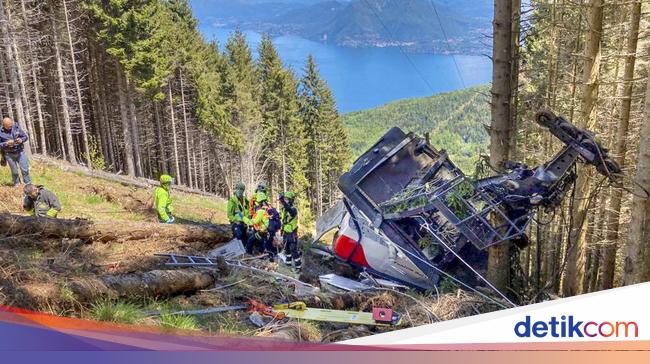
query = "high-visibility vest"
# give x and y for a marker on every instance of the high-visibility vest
(263, 225)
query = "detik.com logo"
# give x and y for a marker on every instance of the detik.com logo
(568, 326)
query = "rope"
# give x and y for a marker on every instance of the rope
(401, 49)
(444, 33)
(425, 225)
(456, 280)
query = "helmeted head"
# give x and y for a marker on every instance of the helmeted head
(166, 181)
(261, 187)
(261, 197)
(240, 188)
(287, 197)
(7, 123)
(31, 191)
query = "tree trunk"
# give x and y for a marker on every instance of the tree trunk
(126, 128)
(620, 148)
(27, 121)
(637, 258)
(514, 74)
(177, 168)
(132, 286)
(187, 134)
(37, 94)
(5, 85)
(75, 73)
(104, 231)
(67, 128)
(202, 164)
(153, 284)
(283, 150)
(57, 141)
(501, 130)
(575, 267)
(101, 119)
(11, 60)
(162, 165)
(135, 134)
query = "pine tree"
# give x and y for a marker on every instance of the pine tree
(502, 128)
(285, 141)
(327, 145)
(637, 253)
(241, 95)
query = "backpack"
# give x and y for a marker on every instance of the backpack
(274, 220)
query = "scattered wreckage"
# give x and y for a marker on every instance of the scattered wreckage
(410, 216)
(261, 314)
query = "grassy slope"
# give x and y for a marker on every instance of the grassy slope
(35, 274)
(455, 121)
(92, 198)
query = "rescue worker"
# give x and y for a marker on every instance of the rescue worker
(289, 219)
(163, 200)
(265, 222)
(261, 187)
(237, 210)
(40, 202)
(12, 146)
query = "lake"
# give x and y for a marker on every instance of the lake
(364, 78)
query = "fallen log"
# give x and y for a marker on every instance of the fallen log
(156, 283)
(132, 286)
(105, 231)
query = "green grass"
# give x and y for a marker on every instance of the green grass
(94, 199)
(79, 201)
(182, 322)
(66, 293)
(116, 311)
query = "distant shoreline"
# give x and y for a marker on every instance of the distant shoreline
(441, 48)
(367, 77)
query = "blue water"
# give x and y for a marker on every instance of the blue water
(365, 78)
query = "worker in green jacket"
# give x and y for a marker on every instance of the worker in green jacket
(265, 222)
(238, 209)
(40, 202)
(163, 200)
(289, 218)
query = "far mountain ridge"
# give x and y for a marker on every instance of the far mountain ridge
(410, 24)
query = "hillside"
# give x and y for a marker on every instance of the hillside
(411, 24)
(116, 278)
(94, 198)
(455, 120)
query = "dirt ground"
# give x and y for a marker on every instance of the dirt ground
(38, 274)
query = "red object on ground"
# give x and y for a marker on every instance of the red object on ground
(265, 310)
(382, 314)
